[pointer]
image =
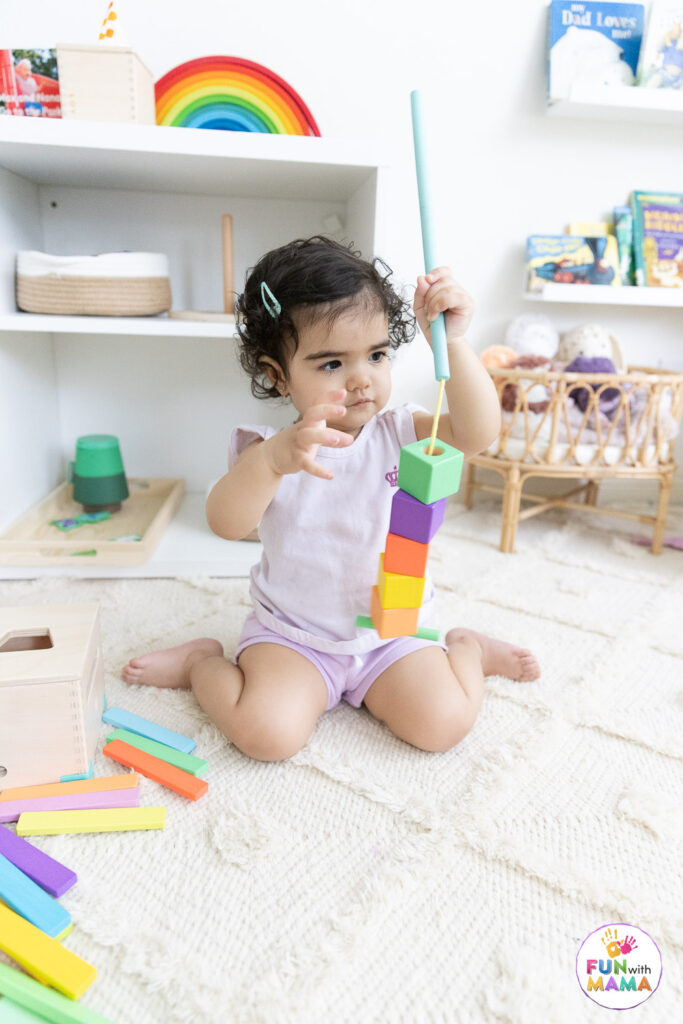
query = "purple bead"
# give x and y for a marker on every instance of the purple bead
(410, 518)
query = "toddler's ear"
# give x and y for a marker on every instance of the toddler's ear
(273, 372)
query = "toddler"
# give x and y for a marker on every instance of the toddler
(317, 325)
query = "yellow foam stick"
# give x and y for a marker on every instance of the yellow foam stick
(115, 819)
(101, 784)
(45, 958)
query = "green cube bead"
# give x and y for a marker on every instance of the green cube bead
(429, 477)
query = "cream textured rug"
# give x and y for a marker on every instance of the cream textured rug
(365, 880)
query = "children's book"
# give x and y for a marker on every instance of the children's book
(658, 238)
(623, 230)
(571, 259)
(29, 83)
(592, 45)
(661, 56)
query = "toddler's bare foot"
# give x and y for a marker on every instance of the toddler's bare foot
(170, 668)
(499, 658)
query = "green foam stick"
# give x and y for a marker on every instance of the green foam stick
(31, 995)
(187, 762)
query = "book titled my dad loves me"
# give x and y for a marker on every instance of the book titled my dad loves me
(658, 238)
(29, 83)
(592, 45)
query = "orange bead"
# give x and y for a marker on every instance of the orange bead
(405, 556)
(390, 622)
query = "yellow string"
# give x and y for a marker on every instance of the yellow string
(435, 424)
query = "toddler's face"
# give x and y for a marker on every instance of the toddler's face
(353, 354)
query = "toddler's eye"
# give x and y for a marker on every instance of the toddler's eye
(377, 357)
(333, 364)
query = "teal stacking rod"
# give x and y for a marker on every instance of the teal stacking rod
(438, 327)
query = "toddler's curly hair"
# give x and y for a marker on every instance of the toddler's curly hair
(313, 279)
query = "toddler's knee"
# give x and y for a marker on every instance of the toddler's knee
(270, 741)
(441, 732)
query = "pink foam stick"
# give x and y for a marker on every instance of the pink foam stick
(11, 809)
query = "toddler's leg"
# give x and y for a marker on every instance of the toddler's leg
(267, 706)
(432, 700)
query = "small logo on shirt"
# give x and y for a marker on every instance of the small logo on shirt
(392, 477)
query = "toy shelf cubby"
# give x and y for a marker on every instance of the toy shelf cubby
(171, 390)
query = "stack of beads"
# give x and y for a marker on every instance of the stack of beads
(417, 510)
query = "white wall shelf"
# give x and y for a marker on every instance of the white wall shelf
(607, 295)
(167, 388)
(622, 103)
(195, 161)
(156, 326)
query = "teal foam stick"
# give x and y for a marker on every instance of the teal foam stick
(438, 327)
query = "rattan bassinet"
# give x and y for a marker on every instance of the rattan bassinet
(585, 428)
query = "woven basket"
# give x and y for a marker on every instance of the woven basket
(113, 296)
(111, 284)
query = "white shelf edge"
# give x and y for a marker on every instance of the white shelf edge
(38, 323)
(165, 140)
(187, 548)
(622, 102)
(607, 295)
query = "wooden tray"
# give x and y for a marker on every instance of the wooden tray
(147, 512)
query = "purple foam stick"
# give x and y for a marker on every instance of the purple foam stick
(11, 809)
(46, 872)
(411, 518)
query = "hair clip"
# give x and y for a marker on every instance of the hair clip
(267, 296)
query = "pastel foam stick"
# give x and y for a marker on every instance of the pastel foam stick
(11, 809)
(114, 819)
(33, 997)
(104, 783)
(12, 1013)
(186, 762)
(43, 957)
(121, 719)
(438, 326)
(49, 874)
(156, 769)
(31, 902)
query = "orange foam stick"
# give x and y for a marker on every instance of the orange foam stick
(97, 785)
(154, 768)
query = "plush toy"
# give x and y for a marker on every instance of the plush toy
(537, 395)
(497, 357)
(532, 334)
(589, 340)
(609, 398)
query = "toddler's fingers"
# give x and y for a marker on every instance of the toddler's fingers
(320, 413)
(311, 466)
(320, 433)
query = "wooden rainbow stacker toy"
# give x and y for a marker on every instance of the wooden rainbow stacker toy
(428, 473)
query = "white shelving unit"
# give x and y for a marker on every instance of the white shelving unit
(171, 390)
(607, 295)
(622, 103)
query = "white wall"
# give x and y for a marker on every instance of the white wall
(503, 169)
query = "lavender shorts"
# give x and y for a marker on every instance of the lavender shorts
(347, 676)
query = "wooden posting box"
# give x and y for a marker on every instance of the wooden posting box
(105, 83)
(51, 692)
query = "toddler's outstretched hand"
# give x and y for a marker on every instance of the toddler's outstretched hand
(295, 449)
(439, 292)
